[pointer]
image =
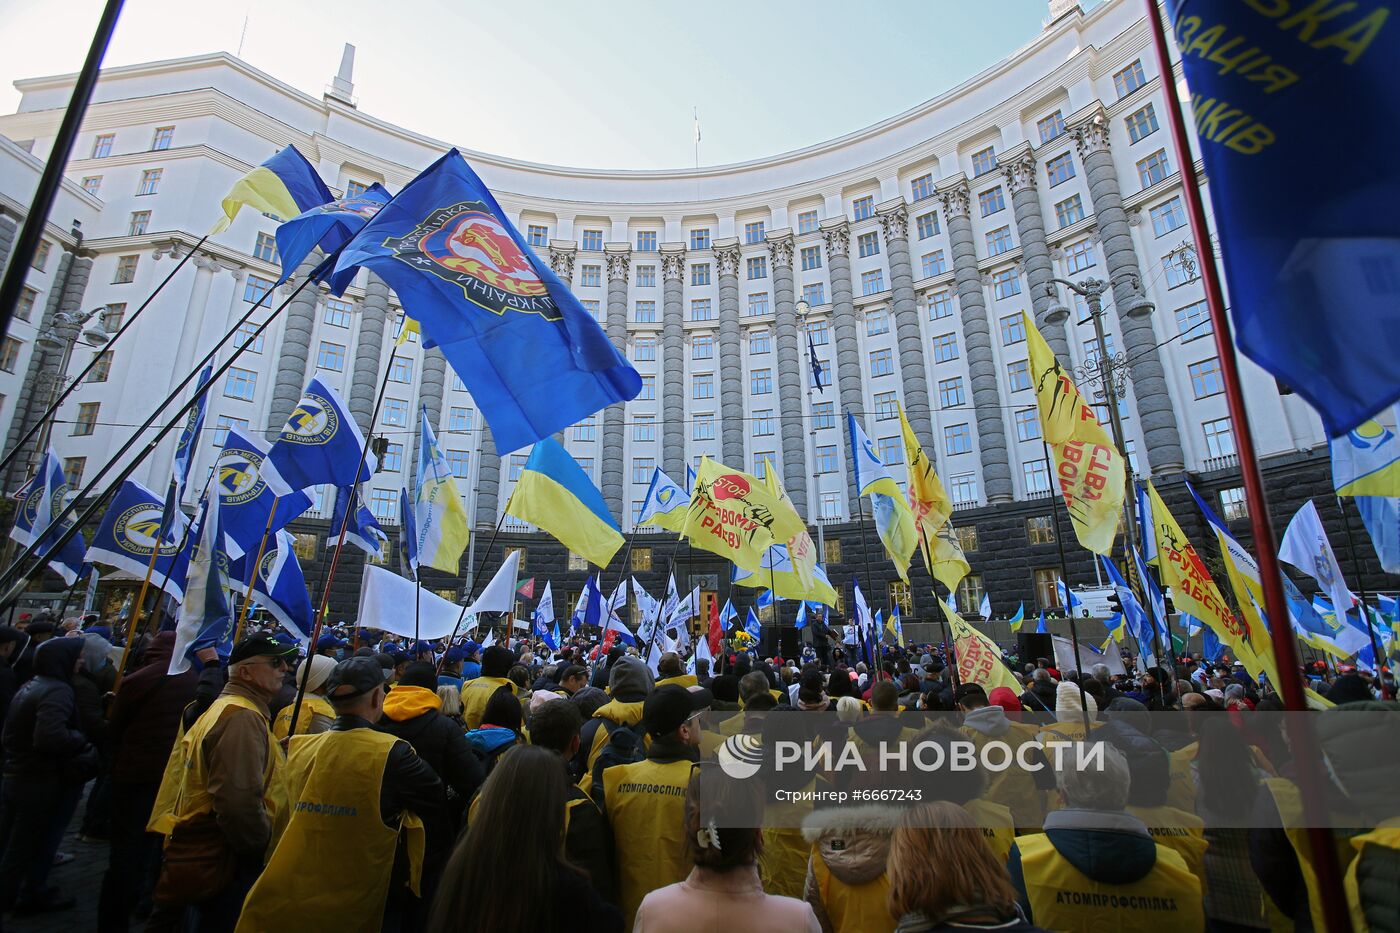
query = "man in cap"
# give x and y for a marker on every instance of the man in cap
(225, 782)
(471, 661)
(451, 675)
(496, 663)
(354, 790)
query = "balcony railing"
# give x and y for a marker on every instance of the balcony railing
(1227, 462)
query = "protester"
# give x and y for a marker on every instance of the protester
(496, 662)
(616, 724)
(555, 725)
(10, 641)
(500, 727)
(316, 713)
(846, 882)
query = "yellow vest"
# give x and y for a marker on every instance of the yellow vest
(1014, 787)
(852, 908)
(684, 680)
(1387, 835)
(476, 694)
(1182, 832)
(626, 714)
(184, 788)
(312, 706)
(1065, 899)
(998, 826)
(1290, 809)
(645, 803)
(335, 779)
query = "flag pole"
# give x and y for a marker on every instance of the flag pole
(1064, 581)
(1286, 659)
(942, 619)
(68, 597)
(1361, 591)
(471, 594)
(253, 573)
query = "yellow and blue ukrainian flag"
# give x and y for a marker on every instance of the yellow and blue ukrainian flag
(894, 521)
(439, 518)
(329, 226)
(284, 186)
(554, 493)
(1018, 618)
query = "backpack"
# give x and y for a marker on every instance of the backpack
(626, 745)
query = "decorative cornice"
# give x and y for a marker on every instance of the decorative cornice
(895, 222)
(1091, 135)
(726, 258)
(619, 262)
(1019, 173)
(956, 201)
(780, 247)
(561, 261)
(837, 237)
(672, 263)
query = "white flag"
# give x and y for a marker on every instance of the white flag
(1305, 546)
(499, 595)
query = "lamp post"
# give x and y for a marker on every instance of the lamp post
(63, 333)
(804, 310)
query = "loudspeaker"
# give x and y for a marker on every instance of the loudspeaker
(1030, 646)
(790, 643)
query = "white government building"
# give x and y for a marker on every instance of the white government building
(906, 250)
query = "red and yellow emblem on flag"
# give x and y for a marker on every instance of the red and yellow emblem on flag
(979, 658)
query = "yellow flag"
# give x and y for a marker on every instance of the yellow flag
(407, 326)
(1090, 470)
(979, 658)
(929, 502)
(794, 573)
(1195, 593)
(734, 515)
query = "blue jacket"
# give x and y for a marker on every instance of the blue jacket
(471, 670)
(491, 740)
(1110, 847)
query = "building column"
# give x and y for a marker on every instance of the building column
(786, 336)
(488, 478)
(561, 260)
(431, 389)
(731, 365)
(913, 370)
(205, 268)
(845, 325)
(1019, 169)
(672, 364)
(977, 338)
(1154, 403)
(369, 354)
(619, 257)
(300, 320)
(9, 229)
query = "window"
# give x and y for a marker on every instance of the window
(459, 420)
(1079, 256)
(886, 406)
(1220, 440)
(265, 247)
(516, 469)
(102, 369)
(998, 241)
(593, 308)
(460, 463)
(819, 332)
(537, 235)
(991, 201)
(591, 239)
(702, 428)
(984, 160)
(970, 593)
(1154, 168)
(1141, 123)
(1129, 79)
(758, 304)
(1040, 529)
(1037, 476)
(1205, 378)
(1013, 329)
(646, 241)
(761, 382)
(754, 231)
(702, 347)
(1005, 283)
(139, 223)
(644, 428)
(395, 412)
(1180, 267)
(807, 222)
(644, 349)
(951, 393)
(1047, 592)
(957, 439)
(872, 282)
(646, 276)
(41, 255)
(576, 562)
(248, 333)
(922, 187)
(1060, 169)
(824, 415)
(402, 370)
(811, 258)
(648, 393)
(126, 270)
(644, 312)
(940, 304)
(587, 429)
(92, 184)
(927, 225)
(1051, 126)
(945, 348)
(337, 313)
(73, 471)
(760, 342)
(700, 273)
(863, 208)
(877, 323)
(164, 135)
(642, 469)
(1069, 211)
(702, 386)
(1130, 451)
(457, 384)
(1233, 506)
(256, 289)
(24, 308)
(830, 508)
(1193, 321)
(150, 181)
(1027, 424)
(591, 276)
(240, 384)
(963, 488)
(881, 362)
(393, 457)
(757, 267)
(1167, 216)
(1018, 375)
(641, 556)
(86, 419)
(868, 244)
(113, 316)
(814, 294)
(761, 459)
(225, 423)
(354, 189)
(826, 458)
(700, 238)
(102, 145)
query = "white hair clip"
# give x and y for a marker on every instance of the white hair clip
(707, 837)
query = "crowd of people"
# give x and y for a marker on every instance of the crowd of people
(417, 786)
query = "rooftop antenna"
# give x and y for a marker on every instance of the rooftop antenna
(243, 35)
(695, 113)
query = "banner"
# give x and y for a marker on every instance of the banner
(734, 515)
(979, 658)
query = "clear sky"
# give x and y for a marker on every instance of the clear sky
(599, 85)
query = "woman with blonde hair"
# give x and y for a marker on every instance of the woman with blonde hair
(451, 699)
(943, 876)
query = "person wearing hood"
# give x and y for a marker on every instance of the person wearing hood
(846, 882)
(91, 683)
(1006, 698)
(1096, 867)
(629, 684)
(11, 639)
(1014, 788)
(48, 758)
(496, 663)
(500, 727)
(671, 670)
(36, 633)
(316, 714)
(1073, 709)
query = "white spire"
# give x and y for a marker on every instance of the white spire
(342, 85)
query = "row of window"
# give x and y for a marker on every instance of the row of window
(162, 139)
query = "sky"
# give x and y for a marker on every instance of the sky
(606, 85)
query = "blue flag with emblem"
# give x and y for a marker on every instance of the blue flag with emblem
(1134, 616)
(329, 226)
(363, 529)
(533, 359)
(206, 613)
(665, 503)
(128, 534)
(40, 500)
(320, 443)
(1312, 280)
(280, 586)
(246, 481)
(189, 434)
(752, 628)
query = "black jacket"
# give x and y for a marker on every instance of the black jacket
(41, 734)
(409, 782)
(443, 745)
(588, 843)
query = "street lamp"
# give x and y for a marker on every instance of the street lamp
(62, 333)
(804, 311)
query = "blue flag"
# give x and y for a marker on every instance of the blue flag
(817, 370)
(246, 482)
(206, 612)
(320, 443)
(189, 435)
(128, 535)
(408, 535)
(40, 500)
(1211, 648)
(801, 621)
(752, 628)
(532, 357)
(552, 639)
(1040, 628)
(1312, 280)
(280, 585)
(1134, 616)
(329, 226)
(363, 529)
